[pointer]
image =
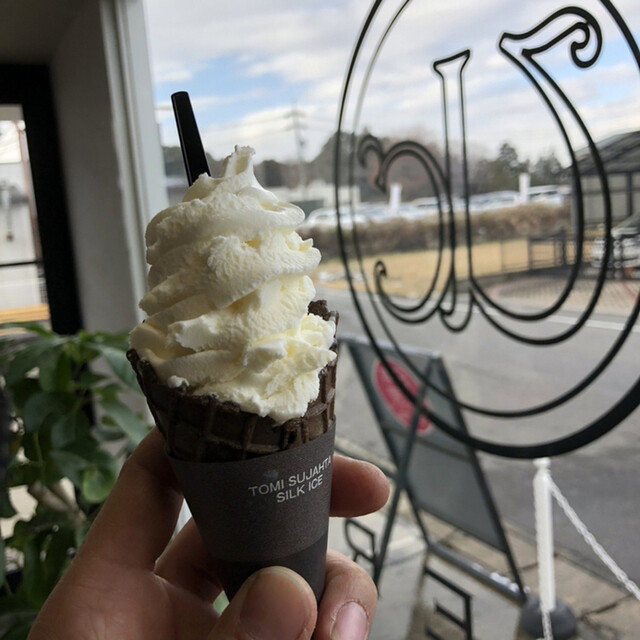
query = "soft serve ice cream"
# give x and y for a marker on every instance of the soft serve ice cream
(238, 367)
(229, 290)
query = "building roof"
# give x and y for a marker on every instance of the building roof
(619, 153)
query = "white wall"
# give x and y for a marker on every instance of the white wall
(594, 201)
(106, 176)
(91, 174)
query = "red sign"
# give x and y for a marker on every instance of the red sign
(399, 405)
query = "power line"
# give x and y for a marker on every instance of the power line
(294, 119)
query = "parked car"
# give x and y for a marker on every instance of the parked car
(548, 194)
(365, 213)
(382, 212)
(493, 201)
(327, 218)
(625, 252)
(428, 206)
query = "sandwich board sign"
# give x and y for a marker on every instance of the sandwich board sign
(441, 475)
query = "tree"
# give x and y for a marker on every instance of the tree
(174, 164)
(508, 157)
(272, 173)
(546, 170)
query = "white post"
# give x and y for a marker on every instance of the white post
(544, 534)
(395, 197)
(546, 615)
(524, 182)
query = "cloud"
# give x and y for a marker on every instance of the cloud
(288, 51)
(270, 132)
(260, 33)
(500, 102)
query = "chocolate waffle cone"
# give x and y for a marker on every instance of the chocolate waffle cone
(259, 491)
(200, 428)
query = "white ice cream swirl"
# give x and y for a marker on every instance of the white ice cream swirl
(228, 296)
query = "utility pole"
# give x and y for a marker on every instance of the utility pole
(294, 114)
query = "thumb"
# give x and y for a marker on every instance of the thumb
(273, 604)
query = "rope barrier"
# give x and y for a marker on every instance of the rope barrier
(544, 489)
(596, 547)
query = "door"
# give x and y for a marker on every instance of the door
(37, 272)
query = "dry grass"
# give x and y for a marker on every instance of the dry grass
(409, 274)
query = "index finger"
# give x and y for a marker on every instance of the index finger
(357, 487)
(137, 520)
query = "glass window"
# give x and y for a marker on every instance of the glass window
(22, 286)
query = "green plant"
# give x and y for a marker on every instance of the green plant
(70, 433)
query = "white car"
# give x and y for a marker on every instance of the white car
(327, 219)
(493, 201)
(383, 213)
(625, 245)
(428, 206)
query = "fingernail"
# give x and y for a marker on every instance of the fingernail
(276, 607)
(351, 623)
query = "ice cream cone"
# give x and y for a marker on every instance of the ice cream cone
(244, 476)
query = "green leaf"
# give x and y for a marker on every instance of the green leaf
(88, 380)
(221, 602)
(6, 508)
(32, 448)
(117, 360)
(3, 561)
(16, 617)
(22, 390)
(42, 523)
(108, 391)
(32, 573)
(57, 556)
(89, 467)
(28, 358)
(97, 482)
(23, 473)
(79, 352)
(80, 534)
(11, 605)
(65, 428)
(55, 370)
(20, 629)
(69, 465)
(86, 447)
(41, 406)
(20, 535)
(107, 433)
(117, 340)
(131, 424)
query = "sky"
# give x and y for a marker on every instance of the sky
(264, 72)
